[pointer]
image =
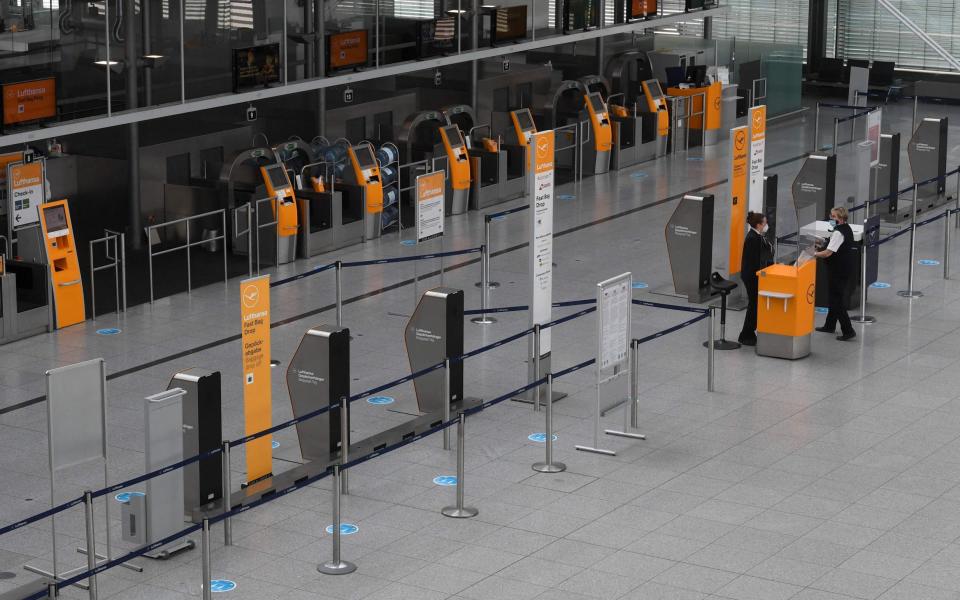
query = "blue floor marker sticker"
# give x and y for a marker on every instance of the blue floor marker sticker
(274, 444)
(409, 242)
(928, 262)
(821, 310)
(109, 331)
(566, 197)
(880, 285)
(125, 496)
(695, 158)
(345, 529)
(380, 400)
(640, 285)
(639, 175)
(540, 437)
(222, 585)
(445, 480)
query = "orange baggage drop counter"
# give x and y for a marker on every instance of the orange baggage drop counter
(785, 309)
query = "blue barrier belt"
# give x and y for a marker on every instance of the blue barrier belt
(504, 213)
(399, 259)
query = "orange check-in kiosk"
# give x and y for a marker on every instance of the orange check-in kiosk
(712, 94)
(61, 250)
(284, 205)
(602, 141)
(458, 173)
(365, 172)
(657, 103)
(524, 126)
(785, 309)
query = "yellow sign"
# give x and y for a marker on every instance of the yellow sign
(255, 344)
(758, 135)
(740, 153)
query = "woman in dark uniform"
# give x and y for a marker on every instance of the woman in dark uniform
(841, 257)
(757, 255)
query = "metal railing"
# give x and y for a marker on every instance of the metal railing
(275, 223)
(569, 132)
(222, 238)
(117, 262)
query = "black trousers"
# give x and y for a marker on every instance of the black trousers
(749, 331)
(839, 285)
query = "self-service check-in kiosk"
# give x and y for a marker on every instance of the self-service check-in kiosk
(61, 254)
(523, 125)
(497, 171)
(657, 104)
(434, 334)
(927, 151)
(202, 432)
(318, 376)
(816, 186)
(364, 171)
(888, 179)
(458, 172)
(689, 234)
(284, 205)
(785, 308)
(597, 151)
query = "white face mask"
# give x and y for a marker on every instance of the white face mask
(764, 228)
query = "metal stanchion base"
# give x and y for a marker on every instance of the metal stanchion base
(459, 513)
(910, 294)
(603, 451)
(171, 550)
(337, 568)
(722, 345)
(80, 584)
(865, 319)
(554, 467)
(490, 284)
(129, 565)
(626, 434)
(527, 398)
(483, 320)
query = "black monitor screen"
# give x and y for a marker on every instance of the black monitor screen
(257, 66)
(524, 119)
(697, 74)
(55, 217)
(580, 14)
(596, 102)
(277, 177)
(437, 37)
(365, 157)
(453, 136)
(509, 23)
(654, 87)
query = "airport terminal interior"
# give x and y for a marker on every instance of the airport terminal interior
(470, 300)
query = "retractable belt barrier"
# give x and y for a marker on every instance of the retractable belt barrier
(702, 314)
(360, 396)
(904, 190)
(503, 213)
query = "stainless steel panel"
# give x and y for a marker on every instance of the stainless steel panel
(163, 440)
(783, 346)
(76, 414)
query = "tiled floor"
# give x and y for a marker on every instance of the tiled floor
(829, 478)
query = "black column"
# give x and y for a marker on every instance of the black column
(816, 34)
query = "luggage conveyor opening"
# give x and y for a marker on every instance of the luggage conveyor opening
(633, 125)
(564, 112)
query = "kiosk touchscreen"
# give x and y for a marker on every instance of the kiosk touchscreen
(523, 124)
(602, 131)
(458, 181)
(657, 103)
(366, 172)
(284, 209)
(60, 247)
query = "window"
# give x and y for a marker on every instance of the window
(772, 21)
(862, 29)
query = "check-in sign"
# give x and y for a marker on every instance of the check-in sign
(26, 191)
(758, 140)
(430, 199)
(255, 345)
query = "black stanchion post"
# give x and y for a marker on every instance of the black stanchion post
(459, 511)
(205, 560)
(339, 270)
(548, 465)
(910, 292)
(91, 549)
(336, 566)
(836, 129)
(227, 485)
(816, 130)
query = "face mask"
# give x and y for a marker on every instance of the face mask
(765, 228)
(833, 223)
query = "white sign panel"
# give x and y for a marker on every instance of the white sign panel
(614, 299)
(541, 233)
(25, 192)
(758, 140)
(76, 414)
(430, 200)
(873, 135)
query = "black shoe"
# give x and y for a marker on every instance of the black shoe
(827, 329)
(846, 337)
(748, 341)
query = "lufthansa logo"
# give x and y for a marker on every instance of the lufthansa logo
(251, 296)
(740, 140)
(811, 294)
(758, 121)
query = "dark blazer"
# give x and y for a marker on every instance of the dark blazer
(757, 255)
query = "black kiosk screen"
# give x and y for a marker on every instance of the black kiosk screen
(524, 120)
(365, 157)
(654, 86)
(278, 177)
(596, 102)
(56, 218)
(453, 136)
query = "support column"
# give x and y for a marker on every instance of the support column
(321, 66)
(474, 44)
(816, 34)
(708, 27)
(132, 64)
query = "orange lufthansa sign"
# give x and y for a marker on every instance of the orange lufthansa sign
(348, 49)
(740, 159)
(29, 101)
(543, 151)
(255, 346)
(758, 128)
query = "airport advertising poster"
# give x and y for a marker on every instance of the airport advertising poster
(255, 344)
(873, 135)
(614, 298)
(25, 192)
(738, 195)
(541, 233)
(430, 199)
(758, 136)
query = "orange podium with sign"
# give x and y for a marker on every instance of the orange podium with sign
(785, 309)
(65, 281)
(712, 95)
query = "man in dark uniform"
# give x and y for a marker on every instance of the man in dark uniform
(757, 255)
(841, 257)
